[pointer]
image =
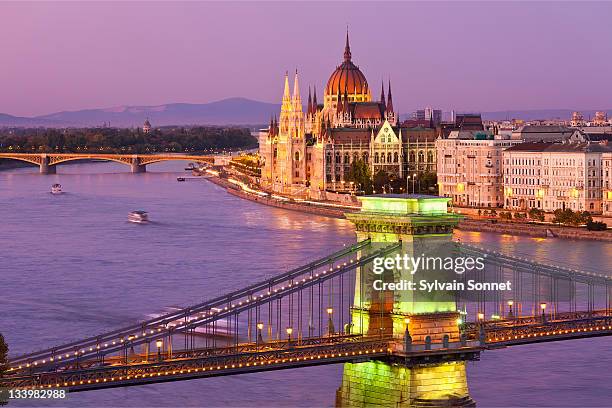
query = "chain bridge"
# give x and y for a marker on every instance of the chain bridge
(398, 347)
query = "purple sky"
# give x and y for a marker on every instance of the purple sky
(464, 56)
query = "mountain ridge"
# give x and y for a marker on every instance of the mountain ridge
(229, 111)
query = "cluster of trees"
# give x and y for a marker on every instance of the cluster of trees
(115, 140)
(359, 173)
(570, 217)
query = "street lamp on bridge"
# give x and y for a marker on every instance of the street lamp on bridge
(260, 327)
(330, 321)
(510, 304)
(543, 307)
(159, 343)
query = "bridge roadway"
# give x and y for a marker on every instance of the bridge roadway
(108, 360)
(146, 368)
(137, 162)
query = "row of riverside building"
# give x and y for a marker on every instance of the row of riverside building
(309, 153)
(565, 171)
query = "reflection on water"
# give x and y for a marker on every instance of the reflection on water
(72, 266)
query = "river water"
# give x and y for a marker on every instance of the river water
(71, 266)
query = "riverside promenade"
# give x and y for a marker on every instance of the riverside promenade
(467, 224)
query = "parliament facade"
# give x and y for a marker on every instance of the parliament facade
(310, 152)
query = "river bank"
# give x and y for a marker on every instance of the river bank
(468, 224)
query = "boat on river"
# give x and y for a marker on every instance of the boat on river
(138, 217)
(56, 189)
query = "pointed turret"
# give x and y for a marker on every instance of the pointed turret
(314, 101)
(286, 94)
(382, 96)
(339, 104)
(347, 48)
(390, 100)
(309, 110)
(297, 100)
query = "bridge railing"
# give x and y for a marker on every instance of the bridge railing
(229, 306)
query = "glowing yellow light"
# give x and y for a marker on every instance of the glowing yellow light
(510, 302)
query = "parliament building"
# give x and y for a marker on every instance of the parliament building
(308, 153)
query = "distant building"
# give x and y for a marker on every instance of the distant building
(463, 122)
(601, 119)
(538, 133)
(428, 114)
(577, 119)
(470, 168)
(550, 176)
(146, 127)
(606, 163)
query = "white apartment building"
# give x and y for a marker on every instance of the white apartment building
(606, 163)
(551, 176)
(470, 168)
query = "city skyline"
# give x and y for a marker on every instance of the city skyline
(98, 55)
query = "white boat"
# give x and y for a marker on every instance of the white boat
(221, 328)
(56, 189)
(138, 217)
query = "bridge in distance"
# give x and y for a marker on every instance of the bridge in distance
(137, 162)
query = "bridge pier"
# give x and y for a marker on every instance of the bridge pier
(425, 229)
(45, 167)
(137, 167)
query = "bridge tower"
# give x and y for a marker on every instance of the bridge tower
(425, 228)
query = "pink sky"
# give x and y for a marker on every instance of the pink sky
(458, 55)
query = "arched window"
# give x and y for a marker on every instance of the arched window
(275, 152)
(337, 157)
(297, 156)
(376, 157)
(347, 158)
(412, 157)
(389, 158)
(365, 157)
(382, 157)
(421, 156)
(430, 157)
(328, 157)
(355, 156)
(395, 157)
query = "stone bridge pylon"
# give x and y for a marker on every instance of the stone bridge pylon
(424, 228)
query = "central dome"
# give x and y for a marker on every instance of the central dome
(348, 78)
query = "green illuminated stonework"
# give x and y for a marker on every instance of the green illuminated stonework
(424, 227)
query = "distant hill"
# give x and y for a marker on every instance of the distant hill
(233, 111)
(19, 121)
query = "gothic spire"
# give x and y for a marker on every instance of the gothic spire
(382, 93)
(390, 101)
(347, 48)
(309, 111)
(314, 101)
(297, 100)
(286, 94)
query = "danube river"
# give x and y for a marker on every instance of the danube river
(71, 266)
